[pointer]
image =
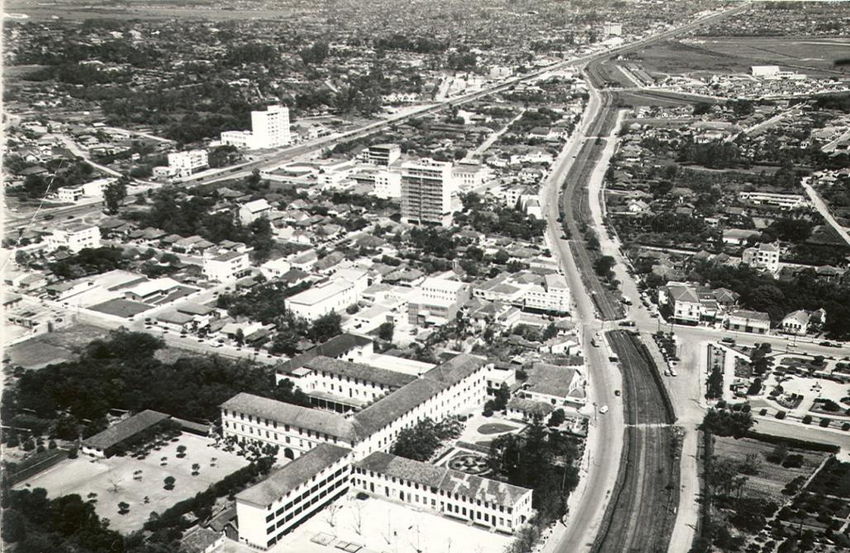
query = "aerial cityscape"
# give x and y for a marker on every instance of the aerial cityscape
(426, 276)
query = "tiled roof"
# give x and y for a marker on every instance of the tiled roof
(125, 429)
(357, 370)
(383, 412)
(289, 477)
(445, 479)
(316, 420)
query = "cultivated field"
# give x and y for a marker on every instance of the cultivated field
(771, 478)
(642, 512)
(113, 479)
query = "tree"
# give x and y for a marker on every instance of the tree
(123, 508)
(501, 397)
(557, 418)
(14, 526)
(714, 387)
(169, 482)
(604, 265)
(385, 331)
(326, 327)
(114, 194)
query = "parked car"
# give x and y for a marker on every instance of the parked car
(603, 409)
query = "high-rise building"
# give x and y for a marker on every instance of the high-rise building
(426, 192)
(271, 127)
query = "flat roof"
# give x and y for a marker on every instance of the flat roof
(299, 471)
(121, 307)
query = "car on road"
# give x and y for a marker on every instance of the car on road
(728, 340)
(603, 409)
(673, 372)
(627, 323)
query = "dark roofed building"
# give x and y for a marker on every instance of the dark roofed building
(106, 443)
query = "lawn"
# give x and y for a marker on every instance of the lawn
(770, 478)
(116, 479)
(495, 428)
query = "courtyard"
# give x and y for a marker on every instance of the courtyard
(378, 525)
(133, 481)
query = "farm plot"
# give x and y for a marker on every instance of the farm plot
(140, 483)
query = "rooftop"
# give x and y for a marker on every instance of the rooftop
(445, 479)
(316, 420)
(362, 372)
(292, 475)
(125, 429)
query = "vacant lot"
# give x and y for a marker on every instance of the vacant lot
(115, 480)
(735, 55)
(770, 477)
(54, 347)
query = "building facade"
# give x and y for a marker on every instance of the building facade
(427, 188)
(74, 238)
(184, 164)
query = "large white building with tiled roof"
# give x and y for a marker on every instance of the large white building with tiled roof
(449, 492)
(328, 439)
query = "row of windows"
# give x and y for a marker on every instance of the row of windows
(301, 508)
(286, 428)
(356, 380)
(441, 493)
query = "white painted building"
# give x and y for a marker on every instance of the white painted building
(765, 257)
(388, 184)
(184, 164)
(75, 238)
(253, 211)
(427, 187)
(227, 267)
(269, 129)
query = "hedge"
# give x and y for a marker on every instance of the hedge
(793, 442)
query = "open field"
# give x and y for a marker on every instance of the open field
(53, 347)
(380, 525)
(770, 478)
(642, 512)
(86, 475)
(709, 56)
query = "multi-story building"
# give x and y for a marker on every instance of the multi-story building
(269, 129)
(782, 201)
(469, 176)
(765, 257)
(488, 503)
(552, 297)
(549, 293)
(227, 267)
(183, 164)
(388, 184)
(383, 154)
(326, 444)
(341, 385)
(684, 301)
(437, 301)
(288, 497)
(75, 238)
(426, 192)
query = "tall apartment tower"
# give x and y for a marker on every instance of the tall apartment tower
(426, 192)
(270, 128)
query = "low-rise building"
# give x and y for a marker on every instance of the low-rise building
(765, 257)
(74, 238)
(227, 267)
(253, 211)
(748, 321)
(184, 164)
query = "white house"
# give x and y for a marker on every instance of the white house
(227, 267)
(253, 211)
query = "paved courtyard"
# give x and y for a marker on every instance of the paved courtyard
(113, 479)
(384, 527)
